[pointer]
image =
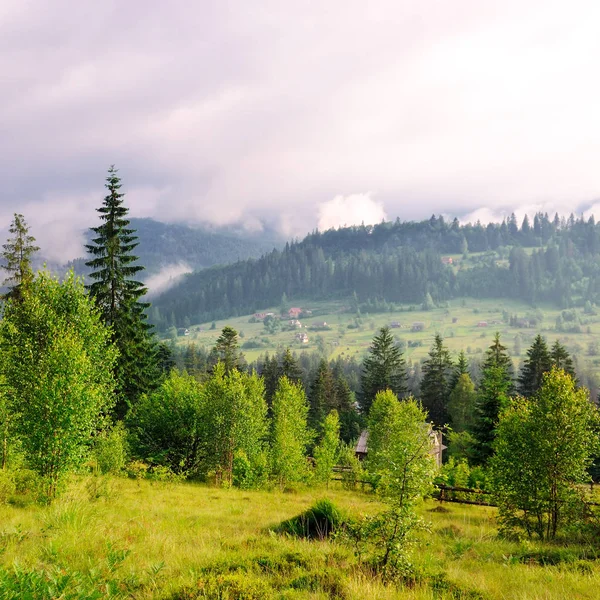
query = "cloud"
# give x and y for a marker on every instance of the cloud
(166, 278)
(229, 112)
(350, 210)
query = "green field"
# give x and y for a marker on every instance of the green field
(143, 539)
(457, 323)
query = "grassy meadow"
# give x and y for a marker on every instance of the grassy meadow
(125, 538)
(458, 323)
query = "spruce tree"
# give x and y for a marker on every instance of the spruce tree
(561, 359)
(290, 367)
(435, 385)
(460, 368)
(17, 254)
(383, 369)
(227, 349)
(537, 363)
(117, 294)
(322, 396)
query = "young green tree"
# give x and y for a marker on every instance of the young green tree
(383, 369)
(435, 385)
(461, 404)
(167, 426)
(57, 365)
(543, 449)
(117, 294)
(234, 420)
(326, 450)
(290, 436)
(537, 363)
(400, 461)
(17, 254)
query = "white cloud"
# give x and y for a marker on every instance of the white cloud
(166, 277)
(350, 210)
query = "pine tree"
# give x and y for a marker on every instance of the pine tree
(117, 294)
(435, 385)
(460, 368)
(290, 367)
(561, 359)
(17, 256)
(537, 363)
(495, 387)
(227, 349)
(383, 369)
(322, 396)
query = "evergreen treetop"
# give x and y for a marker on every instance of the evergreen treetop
(17, 254)
(435, 385)
(537, 363)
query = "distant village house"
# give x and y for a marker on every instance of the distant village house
(418, 326)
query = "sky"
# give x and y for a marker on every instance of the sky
(297, 114)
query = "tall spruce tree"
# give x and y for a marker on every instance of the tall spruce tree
(117, 294)
(383, 369)
(495, 387)
(17, 254)
(460, 368)
(561, 359)
(322, 396)
(435, 385)
(537, 363)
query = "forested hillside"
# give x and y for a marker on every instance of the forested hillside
(164, 244)
(549, 260)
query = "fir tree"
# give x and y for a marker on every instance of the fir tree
(460, 368)
(117, 294)
(290, 367)
(435, 385)
(495, 387)
(561, 359)
(227, 349)
(17, 254)
(537, 363)
(322, 396)
(461, 403)
(383, 369)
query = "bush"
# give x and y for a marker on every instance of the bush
(111, 451)
(7, 486)
(319, 522)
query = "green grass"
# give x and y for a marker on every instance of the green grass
(147, 539)
(462, 334)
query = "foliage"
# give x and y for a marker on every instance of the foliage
(17, 254)
(227, 349)
(543, 449)
(435, 385)
(111, 450)
(352, 471)
(167, 426)
(57, 366)
(537, 363)
(234, 420)
(117, 295)
(495, 387)
(319, 522)
(383, 368)
(325, 453)
(289, 433)
(461, 403)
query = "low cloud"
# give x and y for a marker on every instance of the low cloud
(350, 210)
(166, 278)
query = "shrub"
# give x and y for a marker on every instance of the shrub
(111, 450)
(7, 486)
(319, 522)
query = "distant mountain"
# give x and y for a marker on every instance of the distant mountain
(401, 262)
(165, 247)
